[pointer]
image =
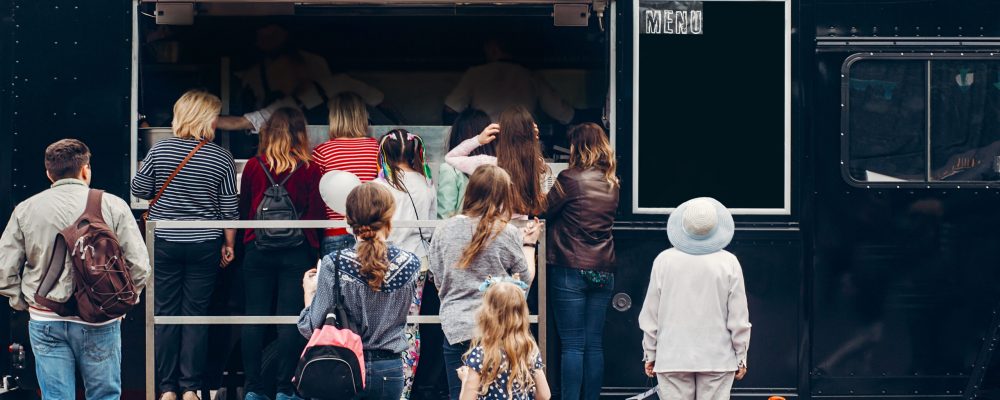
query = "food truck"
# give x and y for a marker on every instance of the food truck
(856, 143)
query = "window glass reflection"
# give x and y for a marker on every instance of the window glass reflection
(887, 120)
(965, 120)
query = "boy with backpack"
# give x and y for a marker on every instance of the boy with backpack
(75, 279)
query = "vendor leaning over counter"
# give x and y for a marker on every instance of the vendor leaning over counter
(289, 77)
(501, 84)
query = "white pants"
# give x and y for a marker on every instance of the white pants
(694, 385)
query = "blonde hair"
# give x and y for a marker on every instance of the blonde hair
(195, 114)
(589, 148)
(487, 197)
(283, 140)
(502, 329)
(348, 116)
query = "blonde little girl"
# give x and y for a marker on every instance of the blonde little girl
(504, 361)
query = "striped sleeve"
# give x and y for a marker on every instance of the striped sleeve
(228, 195)
(144, 182)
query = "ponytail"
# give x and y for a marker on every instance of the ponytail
(369, 212)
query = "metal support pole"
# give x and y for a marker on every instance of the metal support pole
(150, 324)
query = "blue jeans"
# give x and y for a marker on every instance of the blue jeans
(452, 362)
(60, 347)
(331, 244)
(383, 380)
(579, 308)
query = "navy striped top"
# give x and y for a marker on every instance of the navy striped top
(205, 189)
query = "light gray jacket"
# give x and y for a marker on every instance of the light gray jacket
(695, 316)
(26, 244)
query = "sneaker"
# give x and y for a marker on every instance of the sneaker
(255, 396)
(283, 396)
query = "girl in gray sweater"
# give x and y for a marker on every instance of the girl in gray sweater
(470, 247)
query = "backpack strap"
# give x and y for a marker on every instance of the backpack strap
(93, 211)
(289, 176)
(145, 215)
(57, 263)
(338, 300)
(270, 178)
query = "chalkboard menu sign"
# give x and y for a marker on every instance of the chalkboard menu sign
(712, 108)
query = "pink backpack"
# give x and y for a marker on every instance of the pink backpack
(333, 364)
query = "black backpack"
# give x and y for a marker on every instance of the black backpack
(277, 206)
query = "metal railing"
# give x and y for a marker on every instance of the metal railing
(152, 320)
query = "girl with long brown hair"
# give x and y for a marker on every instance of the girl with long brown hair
(467, 248)
(377, 281)
(272, 270)
(504, 361)
(581, 258)
(517, 152)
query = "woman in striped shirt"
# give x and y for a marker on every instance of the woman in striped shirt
(349, 149)
(188, 260)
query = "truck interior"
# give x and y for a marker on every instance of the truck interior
(413, 52)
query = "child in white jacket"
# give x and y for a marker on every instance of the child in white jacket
(695, 319)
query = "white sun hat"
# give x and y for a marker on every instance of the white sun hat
(700, 226)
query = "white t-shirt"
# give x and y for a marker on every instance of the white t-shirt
(422, 207)
(496, 86)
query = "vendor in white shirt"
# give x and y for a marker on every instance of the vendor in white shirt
(289, 77)
(500, 84)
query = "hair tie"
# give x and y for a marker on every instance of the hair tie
(365, 233)
(490, 281)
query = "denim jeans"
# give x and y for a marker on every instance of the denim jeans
(383, 380)
(61, 347)
(331, 244)
(579, 308)
(452, 362)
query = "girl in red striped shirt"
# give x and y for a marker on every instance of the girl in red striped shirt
(349, 149)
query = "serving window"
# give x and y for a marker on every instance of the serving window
(406, 62)
(921, 119)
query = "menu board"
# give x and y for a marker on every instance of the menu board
(712, 108)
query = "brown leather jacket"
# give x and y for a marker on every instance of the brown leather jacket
(581, 213)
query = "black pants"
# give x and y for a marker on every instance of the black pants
(185, 275)
(273, 286)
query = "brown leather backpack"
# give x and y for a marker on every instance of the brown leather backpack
(102, 285)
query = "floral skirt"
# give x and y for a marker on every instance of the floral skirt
(411, 356)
